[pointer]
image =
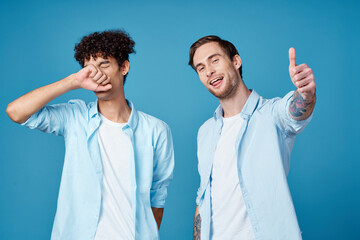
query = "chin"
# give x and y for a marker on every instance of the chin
(103, 95)
(223, 93)
(217, 92)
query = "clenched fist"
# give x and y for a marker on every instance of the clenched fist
(93, 79)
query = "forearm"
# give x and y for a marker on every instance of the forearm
(25, 106)
(197, 225)
(158, 214)
(300, 108)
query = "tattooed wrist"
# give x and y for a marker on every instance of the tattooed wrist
(298, 105)
(197, 228)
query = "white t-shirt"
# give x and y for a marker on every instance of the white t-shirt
(229, 219)
(117, 216)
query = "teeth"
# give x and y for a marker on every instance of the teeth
(216, 79)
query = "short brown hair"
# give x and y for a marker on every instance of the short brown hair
(227, 46)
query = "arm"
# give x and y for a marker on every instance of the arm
(162, 171)
(197, 225)
(90, 78)
(158, 214)
(304, 98)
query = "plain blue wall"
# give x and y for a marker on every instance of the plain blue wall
(36, 48)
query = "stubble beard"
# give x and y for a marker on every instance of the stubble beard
(228, 92)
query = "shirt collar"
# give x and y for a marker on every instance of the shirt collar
(133, 119)
(94, 111)
(247, 110)
(134, 116)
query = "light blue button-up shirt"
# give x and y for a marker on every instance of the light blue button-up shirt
(263, 148)
(79, 201)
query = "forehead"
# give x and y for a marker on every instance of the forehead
(207, 50)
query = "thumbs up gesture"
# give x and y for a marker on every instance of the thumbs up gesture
(302, 77)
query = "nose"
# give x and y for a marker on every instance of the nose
(209, 71)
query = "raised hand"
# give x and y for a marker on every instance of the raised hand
(302, 77)
(304, 98)
(93, 79)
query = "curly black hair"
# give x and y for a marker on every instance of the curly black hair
(112, 43)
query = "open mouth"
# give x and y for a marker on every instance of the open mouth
(216, 81)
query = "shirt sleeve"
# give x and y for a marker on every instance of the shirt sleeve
(203, 130)
(281, 116)
(52, 118)
(163, 168)
(199, 193)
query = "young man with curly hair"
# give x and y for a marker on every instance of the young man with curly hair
(118, 162)
(244, 149)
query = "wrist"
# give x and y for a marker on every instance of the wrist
(72, 82)
(309, 97)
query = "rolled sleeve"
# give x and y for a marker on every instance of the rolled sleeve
(163, 168)
(54, 118)
(48, 119)
(283, 119)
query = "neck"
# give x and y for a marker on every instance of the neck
(235, 103)
(116, 110)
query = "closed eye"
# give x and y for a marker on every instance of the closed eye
(104, 64)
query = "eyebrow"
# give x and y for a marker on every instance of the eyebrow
(210, 57)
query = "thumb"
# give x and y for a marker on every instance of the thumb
(292, 57)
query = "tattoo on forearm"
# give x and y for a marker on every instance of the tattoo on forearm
(298, 105)
(197, 228)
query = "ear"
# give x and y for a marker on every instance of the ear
(125, 67)
(237, 61)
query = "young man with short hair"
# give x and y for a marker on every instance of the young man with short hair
(244, 149)
(118, 162)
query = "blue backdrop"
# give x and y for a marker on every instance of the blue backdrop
(36, 48)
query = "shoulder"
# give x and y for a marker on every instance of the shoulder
(147, 120)
(206, 127)
(207, 124)
(78, 106)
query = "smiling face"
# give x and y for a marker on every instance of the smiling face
(219, 74)
(110, 67)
